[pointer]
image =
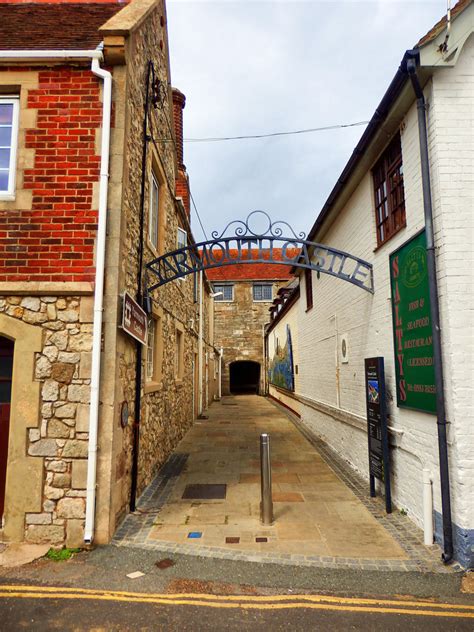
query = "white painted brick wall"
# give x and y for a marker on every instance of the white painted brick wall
(368, 321)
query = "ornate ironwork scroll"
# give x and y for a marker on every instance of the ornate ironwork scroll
(251, 244)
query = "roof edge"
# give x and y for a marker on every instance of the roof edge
(129, 18)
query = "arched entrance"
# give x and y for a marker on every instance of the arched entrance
(244, 377)
(6, 373)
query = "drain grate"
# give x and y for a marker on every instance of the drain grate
(200, 491)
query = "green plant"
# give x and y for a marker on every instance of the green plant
(59, 555)
(404, 512)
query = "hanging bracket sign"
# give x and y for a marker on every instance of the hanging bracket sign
(379, 463)
(134, 319)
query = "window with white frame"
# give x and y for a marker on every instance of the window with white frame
(262, 292)
(224, 292)
(9, 108)
(154, 211)
(182, 239)
(154, 350)
(179, 354)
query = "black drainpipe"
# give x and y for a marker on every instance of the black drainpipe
(434, 300)
(139, 295)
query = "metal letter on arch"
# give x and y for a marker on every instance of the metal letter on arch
(247, 242)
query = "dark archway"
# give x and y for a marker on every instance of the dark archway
(244, 377)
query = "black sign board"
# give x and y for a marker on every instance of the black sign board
(379, 465)
(134, 319)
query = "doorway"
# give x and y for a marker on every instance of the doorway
(244, 377)
(6, 372)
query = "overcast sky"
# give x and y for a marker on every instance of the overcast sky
(261, 67)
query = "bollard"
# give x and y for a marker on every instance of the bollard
(266, 506)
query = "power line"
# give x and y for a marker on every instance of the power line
(273, 134)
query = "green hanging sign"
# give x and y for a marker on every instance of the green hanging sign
(412, 329)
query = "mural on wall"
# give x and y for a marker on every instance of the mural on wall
(280, 372)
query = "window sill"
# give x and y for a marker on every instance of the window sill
(7, 197)
(380, 246)
(151, 387)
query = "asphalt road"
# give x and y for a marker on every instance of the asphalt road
(37, 608)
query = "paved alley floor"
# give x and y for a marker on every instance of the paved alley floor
(323, 513)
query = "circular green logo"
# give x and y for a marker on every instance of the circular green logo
(415, 269)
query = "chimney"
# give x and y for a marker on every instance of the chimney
(182, 181)
(179, 101)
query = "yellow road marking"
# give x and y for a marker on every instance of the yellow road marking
(260, 602)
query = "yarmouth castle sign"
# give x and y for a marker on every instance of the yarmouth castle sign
(254, 241)
(412, 328)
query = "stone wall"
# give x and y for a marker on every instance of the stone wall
(238, 328)
(59, 440)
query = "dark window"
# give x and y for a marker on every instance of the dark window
(389, 192)
(225, 292)
(262, 292)
(308, 282)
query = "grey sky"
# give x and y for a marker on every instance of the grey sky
(260, 67)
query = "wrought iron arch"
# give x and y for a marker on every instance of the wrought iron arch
(246, 242)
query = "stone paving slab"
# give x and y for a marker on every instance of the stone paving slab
(323, 514)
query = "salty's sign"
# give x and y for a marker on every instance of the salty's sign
(412, 329)
(134, 319)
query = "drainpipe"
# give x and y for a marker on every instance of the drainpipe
(138, 364)
(200, 407)
(98, 301)
(221, 353)
(435, 319)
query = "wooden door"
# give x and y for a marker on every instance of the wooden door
(6, 371)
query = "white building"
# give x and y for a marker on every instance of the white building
(376, 207)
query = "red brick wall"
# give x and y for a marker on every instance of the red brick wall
(54, 241)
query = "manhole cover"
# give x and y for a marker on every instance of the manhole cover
(204, 491)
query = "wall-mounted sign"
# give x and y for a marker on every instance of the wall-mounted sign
(134, 319)
(412, 329)
(379, 462)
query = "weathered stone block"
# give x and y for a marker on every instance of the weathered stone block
(62, 480)
(79, 474)
(56, 466)
(85, 366)
(52, 534)
(38, 518)
(75, 449)
(51, 352)
(51, 312)
(34, 435)
(32, 303)
(71, 358)
(82, 418)
(53, 493)
(71, 508)
(79, 393)
(50, 391)
(62, 372)
(87, 309)
(65, 411)
(43, 447)
(43, 368)
(47, 410)
(34, 318)
(61, 303)
(80, 342)
(68, 316)
(74, 533)
(59, 339)
(57, 429)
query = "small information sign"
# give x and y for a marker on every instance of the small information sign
(134, 319)
(412, 328)
(379, 465)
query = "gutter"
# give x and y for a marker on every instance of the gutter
(435, 318)
(95, 56)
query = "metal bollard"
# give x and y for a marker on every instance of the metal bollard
(266, 506)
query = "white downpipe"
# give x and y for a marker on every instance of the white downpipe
(98, 300)
(427, 507)
(221, 353)
(200, 345)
